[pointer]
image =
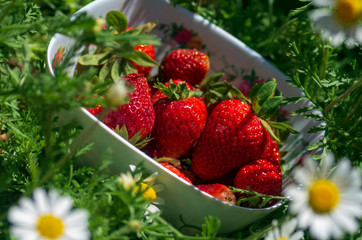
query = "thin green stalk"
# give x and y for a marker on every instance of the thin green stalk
(353, 111)
(174, 230)
(326, 55)
(345, 94)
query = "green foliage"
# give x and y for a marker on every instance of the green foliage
(41, 149)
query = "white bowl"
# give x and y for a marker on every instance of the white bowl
(227, 54)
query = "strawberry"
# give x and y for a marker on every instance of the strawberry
(149, 49)
(175, 171)
(233, 136)
(94, 110)
(159, 94)
(138, 114)
(180, 119)
(218, 191)
(261, 176)
(271, 152)
(238, 132)
(189, 65)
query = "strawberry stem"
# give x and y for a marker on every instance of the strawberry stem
(177, 92)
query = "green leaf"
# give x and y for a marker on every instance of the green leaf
(211, 226)
(283, 126)
(298, 11)
(236, 92)
(104, 72)
(117, 20)
(93, 59)
(270, 130)
(266, 90)
(252, 94)
(125, 68)
(210, 80)
(115, 71)
(122, 131)
(139, 58)
(145, 28)
(270, 107)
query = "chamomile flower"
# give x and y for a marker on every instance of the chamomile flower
(285, 232)
(327, 201)
(339, 20)
(48, 216)
(147, 187)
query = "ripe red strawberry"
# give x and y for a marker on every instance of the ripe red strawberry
(233, 136)
(189, 65)
(150, 51)
(95, 110)
(159, 94)
(218, 191)
(175, 171)
(179, 122)
(271, 152)
(261, 176)
(138, 114)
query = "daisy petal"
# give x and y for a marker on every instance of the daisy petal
(63, 206)
(77, 234)
(327, 164)
(41, 201)
(297, 235)
(358, 34)
(76, 218)
(19, 217)
(24, 234)
(288, 228)
(346, 222)
(323, 3)
(27, 205)
(320, 227)
(305, 217)
(341, 173)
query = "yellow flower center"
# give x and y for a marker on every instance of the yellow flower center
(282, 238)
(323, 196)
(148, 192)
(50, 226)
(348, 12)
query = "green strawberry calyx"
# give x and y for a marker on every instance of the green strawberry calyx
(177, 92)
(136, 140)
(264, 104)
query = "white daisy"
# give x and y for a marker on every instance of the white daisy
(327, 201)
(48, 216)
(339, 21)
(285, 232)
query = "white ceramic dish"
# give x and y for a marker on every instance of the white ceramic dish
(227, 54)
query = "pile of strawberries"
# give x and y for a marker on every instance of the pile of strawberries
(219, 145)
